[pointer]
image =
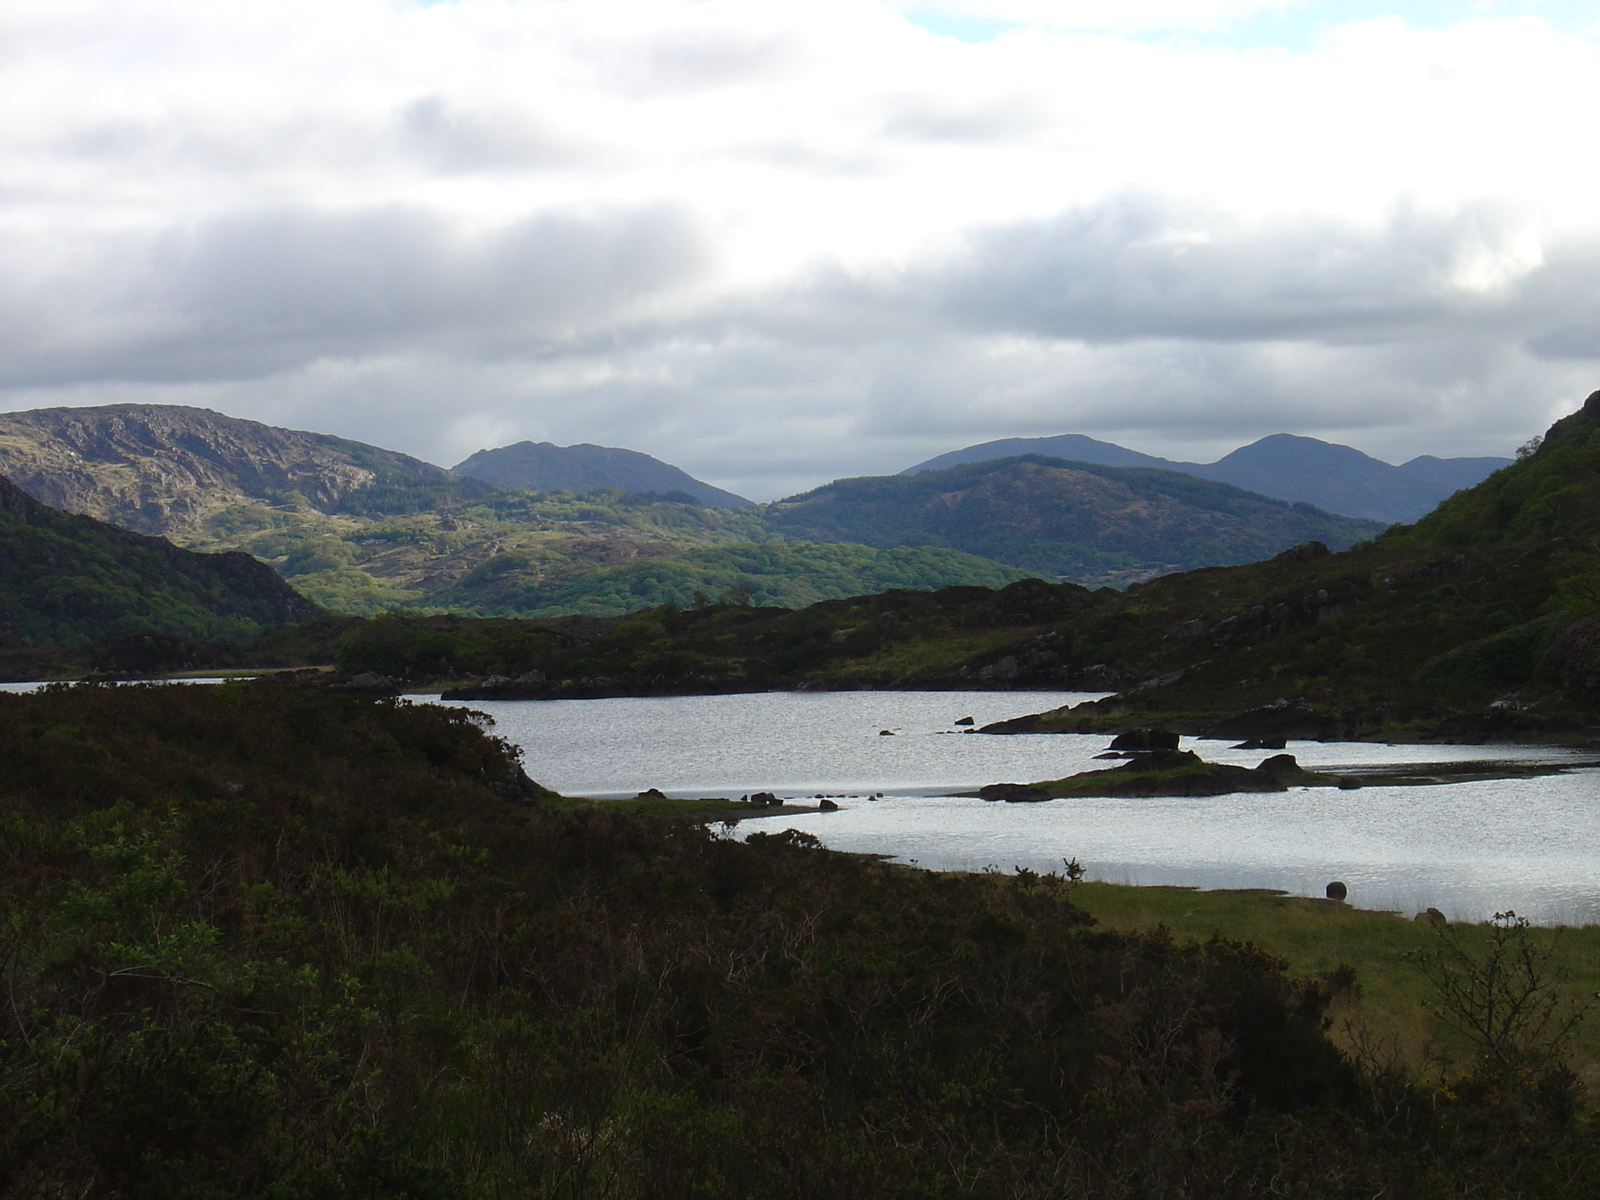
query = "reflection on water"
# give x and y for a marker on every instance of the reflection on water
(1470, 848)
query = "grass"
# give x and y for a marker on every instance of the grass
(1318, 937)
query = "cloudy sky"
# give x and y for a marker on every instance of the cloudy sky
(777, 243)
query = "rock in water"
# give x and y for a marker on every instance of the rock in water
(827, 806)
(1145, 739)
(1014, 793)
(964, 721)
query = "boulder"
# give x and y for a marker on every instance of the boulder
(965, 721)
(764, 799)
(1280, 764)
(1337, 891)
(827, 806)
(651, 794)
(885, 733)
(1431, 917)
(1145, 739)
(1349, 783)
(1304, 552)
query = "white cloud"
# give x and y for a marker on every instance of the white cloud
(778, 243)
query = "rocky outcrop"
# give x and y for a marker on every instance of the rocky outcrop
(1145, 739)
(1284, 718)
(164, 469)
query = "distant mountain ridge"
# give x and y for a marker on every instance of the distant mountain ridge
(1078, 521)
(68, 579)
(546, 467)
(1337, 479)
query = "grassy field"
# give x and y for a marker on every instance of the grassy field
(1387, 1008)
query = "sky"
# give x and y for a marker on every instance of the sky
(779, 243)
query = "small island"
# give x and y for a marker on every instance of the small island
(1165, 773)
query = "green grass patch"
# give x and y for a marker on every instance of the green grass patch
(1319, 936)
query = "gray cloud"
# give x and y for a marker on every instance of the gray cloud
(450, 137)
(1144, 267)
(255, 293)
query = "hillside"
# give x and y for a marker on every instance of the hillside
(1089, 523)
(1482, 620)
(1554, 492)
(1335, 478)
(67, 580)
(544, 467)
(174, 471)
(268, 941)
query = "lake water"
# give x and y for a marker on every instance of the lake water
(24, 688)
(1469, 849)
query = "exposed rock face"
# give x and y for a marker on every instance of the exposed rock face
(163, 469)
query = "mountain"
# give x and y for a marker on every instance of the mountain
(1335, 478)
(1091, 523)
(67, 579)
(360, 529)
(1071, 446)
(545, 467)
(170, 470)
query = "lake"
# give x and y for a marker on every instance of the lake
(1469, 848)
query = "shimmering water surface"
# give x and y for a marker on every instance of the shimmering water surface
(1470, 849)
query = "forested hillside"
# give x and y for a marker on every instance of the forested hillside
(67, 580)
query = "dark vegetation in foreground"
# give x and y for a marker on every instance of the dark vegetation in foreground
(266, 940)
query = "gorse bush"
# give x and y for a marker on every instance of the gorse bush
(263, 940)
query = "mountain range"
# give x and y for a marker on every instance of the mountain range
(361, 529)
(545, 467)
(1335, 478)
